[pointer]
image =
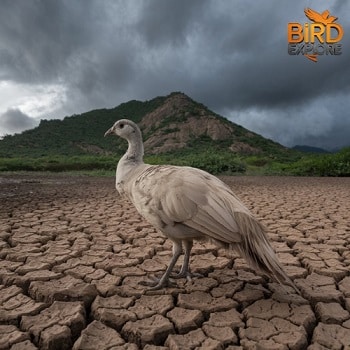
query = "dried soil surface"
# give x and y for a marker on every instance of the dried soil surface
(73, 254)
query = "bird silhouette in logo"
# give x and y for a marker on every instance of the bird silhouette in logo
(317, 17)
(323, 17)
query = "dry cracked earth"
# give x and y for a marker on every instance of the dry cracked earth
(73, 254)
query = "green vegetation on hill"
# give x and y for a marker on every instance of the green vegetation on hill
(83, 134)
(76, 143)
(76, 135)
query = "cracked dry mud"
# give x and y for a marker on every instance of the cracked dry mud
(73, 254)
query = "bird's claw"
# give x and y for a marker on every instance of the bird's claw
(186, 274)
(157, 283)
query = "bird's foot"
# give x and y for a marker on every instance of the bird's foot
(157, 283)
(187, 274)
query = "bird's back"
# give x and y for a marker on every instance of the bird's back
(171, 194)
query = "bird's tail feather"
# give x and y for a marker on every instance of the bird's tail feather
(257, 250)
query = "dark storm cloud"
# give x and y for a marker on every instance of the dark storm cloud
(241, 54)
(37, 39)
(264, 75)
(169, 22)
(68, 41)
(319, 123)
(13, 120)
(230, 55)
(331, 125)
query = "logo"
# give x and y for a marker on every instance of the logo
(321, 37)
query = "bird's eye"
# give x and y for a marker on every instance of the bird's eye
(121, 126)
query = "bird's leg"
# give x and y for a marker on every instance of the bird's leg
(185, 269)
(186, 264)
(177, 250)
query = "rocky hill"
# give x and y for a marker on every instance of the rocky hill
(171, 124)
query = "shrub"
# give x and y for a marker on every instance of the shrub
(324, 165)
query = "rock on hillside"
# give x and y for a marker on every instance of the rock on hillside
(180, 119)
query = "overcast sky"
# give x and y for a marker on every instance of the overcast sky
(64, 57)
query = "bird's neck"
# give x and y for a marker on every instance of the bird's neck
(128, 164)
(134, 153)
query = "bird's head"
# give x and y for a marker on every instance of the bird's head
(124, 128)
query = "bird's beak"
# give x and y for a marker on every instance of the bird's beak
(109, 131)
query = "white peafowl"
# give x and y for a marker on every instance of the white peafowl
(186, 203)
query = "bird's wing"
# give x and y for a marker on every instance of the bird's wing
(327, 18)
(320, 17)
(313, 15)
(191, 197)
(325, 14)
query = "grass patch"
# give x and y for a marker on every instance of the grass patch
(59, 163)
(212, 160)
(105, 165)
